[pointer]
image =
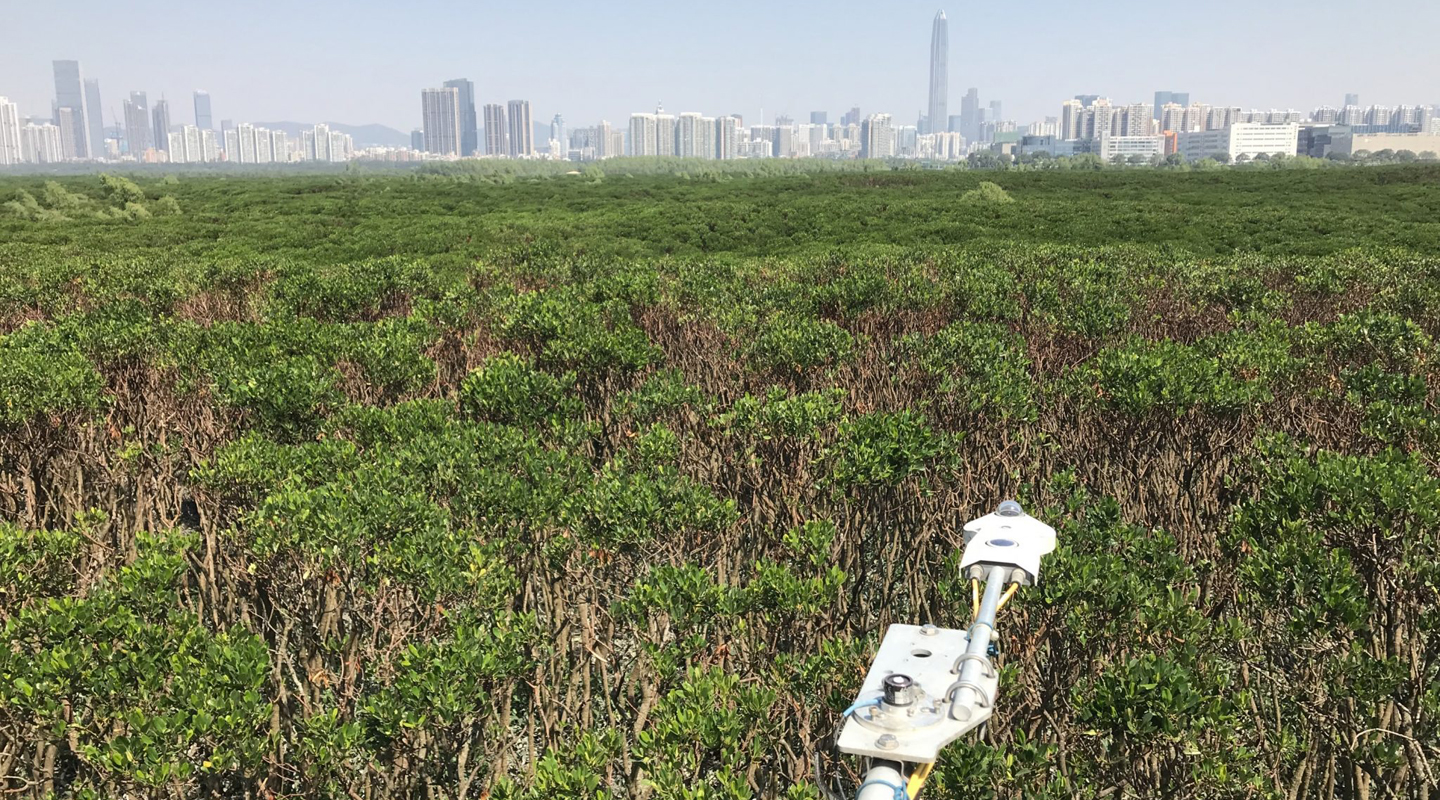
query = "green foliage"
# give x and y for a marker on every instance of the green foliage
(507, 390)
(885, 449)
(987, 194)
(789, 343)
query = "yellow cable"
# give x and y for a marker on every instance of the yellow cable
(974, 598)
(917, 780)
(1005, 598)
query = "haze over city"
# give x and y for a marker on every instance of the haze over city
(365, 62)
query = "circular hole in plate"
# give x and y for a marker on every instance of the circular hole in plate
(920, 652)
(1001, 543)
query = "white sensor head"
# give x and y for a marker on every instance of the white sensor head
(1006, 537)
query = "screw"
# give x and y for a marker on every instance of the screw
(887, 742)
(928, 629)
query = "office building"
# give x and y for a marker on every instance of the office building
(1241, 140)
(522, 132)
(1352, 100)
(851, 117)
(11, 152)
(970, 115)
(1127, 146)
(469, 124)
(440, 119)
(160, 117)
(557, 133)
(819, 117)
(202, 111)
(495, 130)
(95, 117)
(939, 111)
(138, 136)
(1163, 99)
(417, 140)
(70, 93)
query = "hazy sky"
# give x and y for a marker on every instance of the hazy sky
(367, 60)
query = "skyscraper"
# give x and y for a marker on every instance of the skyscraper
(469, 125)
(727, 138)
(440, 113)
(70, 141)
(1162, 98)
(877, 137)
(70, 93)
(939, 73)
(664, 133)
(995, 115)
(161, 118)
(10, 149)
(95, 117)
(1352, 99)
(203, 120)
(970, 115)
(522, 132)
(137, 124)
(818, 117)
(557, 134)
(495, 130)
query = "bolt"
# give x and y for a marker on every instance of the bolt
(928, 629)
(887, 742)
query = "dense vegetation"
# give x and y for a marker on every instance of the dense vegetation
(605, 486)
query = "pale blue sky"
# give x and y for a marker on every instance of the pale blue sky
(366, 60)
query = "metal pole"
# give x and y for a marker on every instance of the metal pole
(976, 660)
(881, 781)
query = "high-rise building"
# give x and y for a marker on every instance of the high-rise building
(970, 115)
(70, 93)
(440, 114)
(1164, 98)
(203, 119)
(642, 135)
(851, 117)
(693, 136)
(1172, 117)
(557, 133)
(727, 138)
(137, 125)
(469, 125)
(245, 151)
(522, 131)
(417, 140)
(232, 145)
(40, 144)
(819, 117)
(995, 114)
(94, 117)
(877, 137)
(664, 133)
(70, 142)
(1352, 99)
(10, 150)
(160, 116)
(939, 72)
(495, 130)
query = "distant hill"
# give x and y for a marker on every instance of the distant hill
(364, 135)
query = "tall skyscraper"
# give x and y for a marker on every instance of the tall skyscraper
(417, 140)
(137, 124)
(203, 119)
(469, 125)
(818, 117)
(1164, 98)
(939, 73)
(10, 150)
(877, 137)
(727, 138)
(522, 131)
(95, 117)
(995, 114)
(70, 93)
(70, 141)
(495, 130)
(160, 116)
(970, 115)
(664, 133)
(557, 134)
(1352, 99)
(440, 113)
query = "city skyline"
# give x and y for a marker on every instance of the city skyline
(830, 58)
